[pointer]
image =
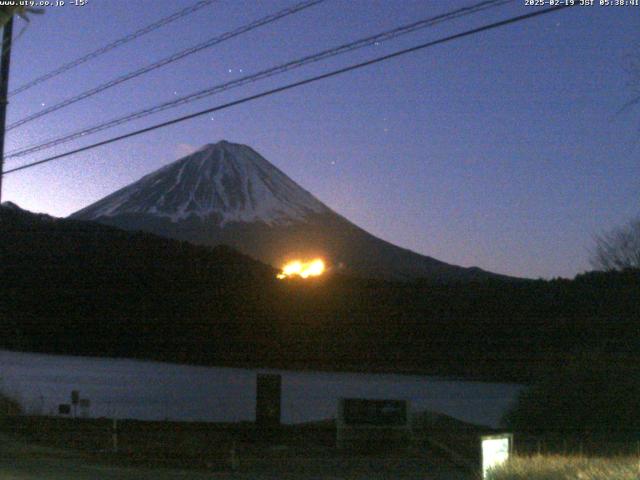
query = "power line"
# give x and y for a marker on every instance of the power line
(261, 75)
(167, 60)
(290, 86)
(121, 41)
(269, 72)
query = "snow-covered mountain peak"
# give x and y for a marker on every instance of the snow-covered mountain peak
(223, 182)
(11, 206)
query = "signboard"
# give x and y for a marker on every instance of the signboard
(268, 393)
(357, 411)
(64, 409)
(367, 424)
(75, 397)
(495, 451)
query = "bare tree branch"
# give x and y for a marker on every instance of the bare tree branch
(618, 249)
(6, 12)
(632, 68)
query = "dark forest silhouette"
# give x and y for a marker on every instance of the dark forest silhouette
(81, 288)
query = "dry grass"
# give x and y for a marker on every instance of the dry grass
(559, 467)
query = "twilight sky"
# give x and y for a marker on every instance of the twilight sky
(503, 150)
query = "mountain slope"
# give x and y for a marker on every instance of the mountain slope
(227, 193)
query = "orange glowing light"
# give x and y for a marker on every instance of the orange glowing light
(302, 269)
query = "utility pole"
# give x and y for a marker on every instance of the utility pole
(7, 33)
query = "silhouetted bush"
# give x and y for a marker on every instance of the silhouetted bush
(9, 406)
(591, 397)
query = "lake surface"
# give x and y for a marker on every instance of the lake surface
(147, 390)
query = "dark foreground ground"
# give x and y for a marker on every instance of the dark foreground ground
(52, 449)
(21, 461)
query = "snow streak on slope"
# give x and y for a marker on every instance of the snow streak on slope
(224, 182)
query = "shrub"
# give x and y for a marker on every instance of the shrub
(584, 399)
(9, 406)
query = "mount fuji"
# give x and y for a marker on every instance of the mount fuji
(227, 193)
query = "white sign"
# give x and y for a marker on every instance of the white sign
(495, 451)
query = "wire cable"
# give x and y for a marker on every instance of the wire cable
(167, 60)
(272, 71)
(299, 83)
(121, 41)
